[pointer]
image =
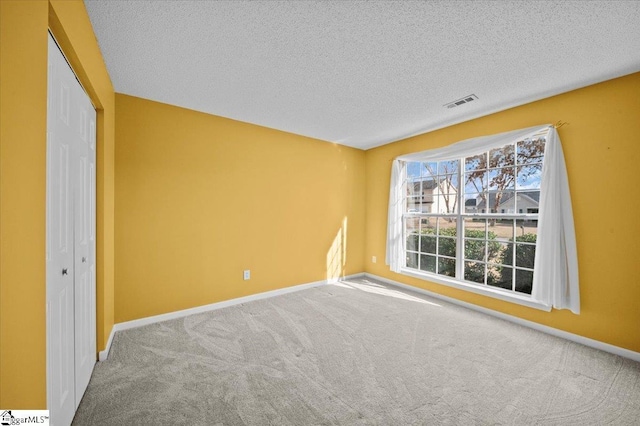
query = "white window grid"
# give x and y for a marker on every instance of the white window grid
(459, 218)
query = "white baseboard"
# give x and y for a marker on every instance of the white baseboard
(103, 355)
(211, 307)
(606, 347)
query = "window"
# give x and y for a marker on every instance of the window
(482, 230)
(497, 250)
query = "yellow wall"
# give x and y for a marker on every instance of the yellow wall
(200, 198)
(23, 85)
(601, 145)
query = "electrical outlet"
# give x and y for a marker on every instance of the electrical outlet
(374, 259)
(247, 274)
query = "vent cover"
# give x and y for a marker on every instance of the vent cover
(461, 101)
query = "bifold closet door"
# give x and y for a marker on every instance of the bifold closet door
(85, 244)
(70, 255)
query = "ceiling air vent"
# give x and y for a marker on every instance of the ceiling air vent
(461, 101)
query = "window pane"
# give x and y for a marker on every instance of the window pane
(447, 226)
(471, 203)
(428, 263)
(413, 170)
(500, 276)
(492, 202)
(503, 202)
(476, 182)
(530, 151)
(474, 271)
(429, 169)
(449, 183)
(495, 249)
(525, 253)
(474, 249)
(428, 188)
(529, 177)
(413, 205)
(502, 179)
(447, 246)
(503, 228)
(428, 185)
(412, 260)
(432, 186)
(527, 228)
(412, 225)
(448, 203)
(428, 244)
(505, 254)
(447, 267)
(413, 188)
(502, 157)
(482, 201)
(528, 201)
(477, 162)
(524, 281)
(428, 224)
(475, 228)
(412, 242)
(448, 167)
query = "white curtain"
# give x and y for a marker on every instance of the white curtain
(555, 278)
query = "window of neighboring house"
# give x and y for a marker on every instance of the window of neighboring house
(492, 252)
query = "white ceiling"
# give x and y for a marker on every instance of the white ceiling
(361, 74)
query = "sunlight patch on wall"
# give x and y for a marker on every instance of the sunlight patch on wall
(337, 254)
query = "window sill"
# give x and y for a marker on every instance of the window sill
(485, 291)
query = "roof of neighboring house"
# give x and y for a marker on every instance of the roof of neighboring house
(532, 195)
(426, 184)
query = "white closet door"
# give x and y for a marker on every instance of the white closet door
(84, 262)
(71, 326)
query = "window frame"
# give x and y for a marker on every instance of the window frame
(556, 284)
(459, 216)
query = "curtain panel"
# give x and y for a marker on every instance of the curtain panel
(555, 277)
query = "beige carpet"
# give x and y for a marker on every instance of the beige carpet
(357, 353)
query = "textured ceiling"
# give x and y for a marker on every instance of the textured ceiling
(361, 74)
